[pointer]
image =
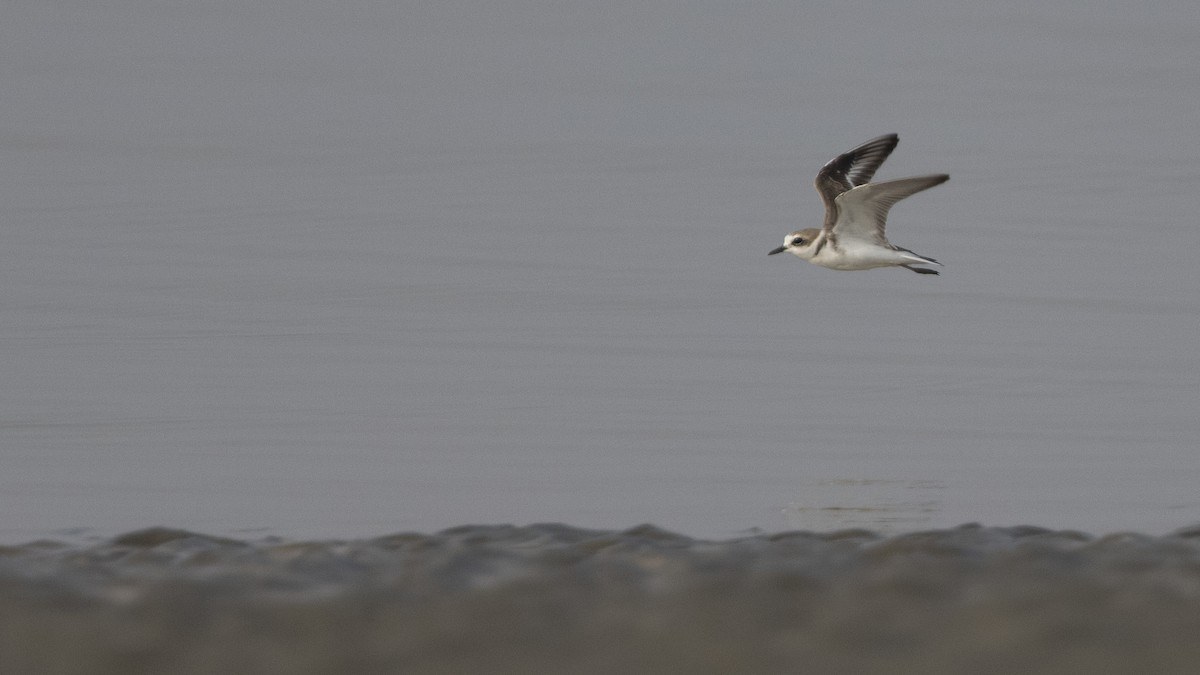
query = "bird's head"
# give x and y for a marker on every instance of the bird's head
(799, 243)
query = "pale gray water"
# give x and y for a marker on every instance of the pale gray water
(343, 269)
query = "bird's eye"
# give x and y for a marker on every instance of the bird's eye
(797, 242)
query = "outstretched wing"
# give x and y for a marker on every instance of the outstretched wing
(862, 211)
(850, 170)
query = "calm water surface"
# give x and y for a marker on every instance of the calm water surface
(332, 269)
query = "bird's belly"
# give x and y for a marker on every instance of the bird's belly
(858, 257)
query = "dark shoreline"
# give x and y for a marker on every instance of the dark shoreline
(553, 598)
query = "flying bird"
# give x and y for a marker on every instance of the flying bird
(856, 210)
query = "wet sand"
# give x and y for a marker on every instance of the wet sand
(553, 598)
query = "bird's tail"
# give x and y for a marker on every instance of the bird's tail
(915, 257)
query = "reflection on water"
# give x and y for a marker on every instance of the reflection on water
(883, 505)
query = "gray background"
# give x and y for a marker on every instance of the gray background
(346, 268)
